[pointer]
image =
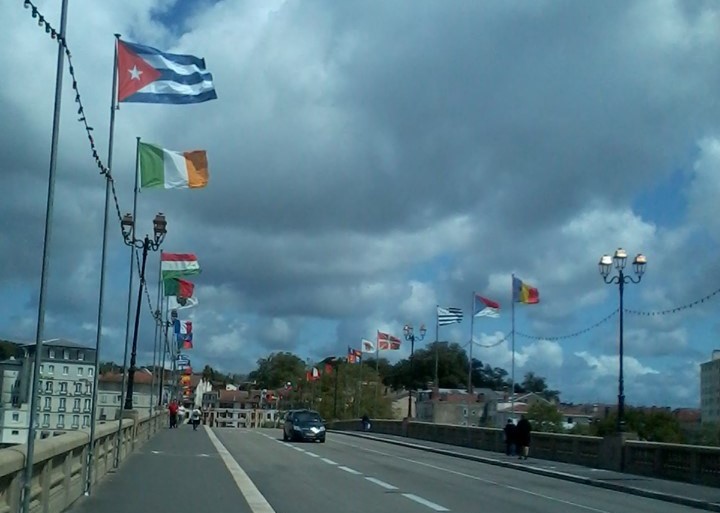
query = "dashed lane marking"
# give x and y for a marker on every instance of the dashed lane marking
(312, 454)
(378, 482)
(255, 499)
(349, 470)
(425, 502)
(328, 461)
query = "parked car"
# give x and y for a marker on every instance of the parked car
(304, 426)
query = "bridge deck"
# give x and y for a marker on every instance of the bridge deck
(253, 471)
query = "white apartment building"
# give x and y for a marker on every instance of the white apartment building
(710, 389)
(111, 401)
(65, 393)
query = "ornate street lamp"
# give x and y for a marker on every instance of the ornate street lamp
(409, 334)
(618, 260)
(147, 244)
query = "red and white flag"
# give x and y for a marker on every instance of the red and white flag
(386, 341)
(485, 307)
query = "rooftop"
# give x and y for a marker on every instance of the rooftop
(59, 342)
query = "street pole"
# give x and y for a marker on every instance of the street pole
(133, 352)
(410, 385)
(621, 378)
(40, 330)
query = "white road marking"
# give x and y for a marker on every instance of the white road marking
(300, 449)
(156, 452)
(476, 478)
(329, 462)
(385, 485)
(256, 500)
(350, 470)
(312, 454)
(425, 502)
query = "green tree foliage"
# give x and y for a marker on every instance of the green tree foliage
(8, 349)
(277, 369)
(538, 385)
(653, 426)
(545, 417)
(109, 367)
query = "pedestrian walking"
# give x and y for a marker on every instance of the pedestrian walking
(195, 418)
(510, 436)
(523, 430)
(173, 410)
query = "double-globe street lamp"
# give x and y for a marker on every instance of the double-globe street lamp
(147, 244)
(618, 260)
(409, 334)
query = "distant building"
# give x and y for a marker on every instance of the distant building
(65, 393)
(111, 401)
(710, 389)
(457, 406)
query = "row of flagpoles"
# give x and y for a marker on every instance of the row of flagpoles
(522, 293)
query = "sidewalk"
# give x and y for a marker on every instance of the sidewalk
(178, 470)
(697, 496)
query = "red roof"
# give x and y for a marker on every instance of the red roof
(141, 376)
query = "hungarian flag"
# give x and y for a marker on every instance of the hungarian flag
(485, 307)
(177, 265)
(148, 75)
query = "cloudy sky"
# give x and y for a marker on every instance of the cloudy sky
(370, 160)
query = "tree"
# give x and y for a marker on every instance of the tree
(109, 367)
(452, 367)
(653, 426)
(538, 385)
(277, 369)
(545, 417)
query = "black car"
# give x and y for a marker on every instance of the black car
(304, 425)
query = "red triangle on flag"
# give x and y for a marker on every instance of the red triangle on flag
(133, 72)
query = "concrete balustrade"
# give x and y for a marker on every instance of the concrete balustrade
(60, 463)
(688, 463)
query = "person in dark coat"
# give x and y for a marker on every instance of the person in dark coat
(509, 430)
(522, 436)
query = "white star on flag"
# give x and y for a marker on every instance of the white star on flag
(135, 73)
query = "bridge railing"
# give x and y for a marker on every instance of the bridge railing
(60, 463)
(693, 464)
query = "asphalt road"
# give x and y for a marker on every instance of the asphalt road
(357, 475)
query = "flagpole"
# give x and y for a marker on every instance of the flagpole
(40, 330)
(158, 318)
(129, 308)
(437, 344)
(165, 348)
(512, 373)
(377, 371)
(103, 260)
(472, 324)
(362, 357)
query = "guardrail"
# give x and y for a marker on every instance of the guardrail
(60, 463)
(688, 463)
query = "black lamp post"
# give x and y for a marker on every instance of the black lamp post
(146, 244)
(618, 260)
(410, 335)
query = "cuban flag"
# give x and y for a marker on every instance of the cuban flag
(147, 75)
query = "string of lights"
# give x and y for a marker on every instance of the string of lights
(494, 344)
(574, 334)
(675, 309)
(104, 170)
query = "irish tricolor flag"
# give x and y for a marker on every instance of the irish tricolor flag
(176, 265)
(169, 169)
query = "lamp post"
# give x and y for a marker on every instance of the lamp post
(409, 334)
(618, 260)
(146, 244)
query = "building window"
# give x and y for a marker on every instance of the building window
(91, 372)
(66, 354)
(42, 368)
(76, 405)
(76, 421)
(16, 417)
(51, 353)
(15, 432)
(81, 355)
(48, 387)
(61, 420)
(63, 387)
(86, 420)
(51, 369)
(46, 419)
(78, 388)
(47, 403)
(66, 370)
(62, 404)
(80, 371)
(87, 404)
(88, 388)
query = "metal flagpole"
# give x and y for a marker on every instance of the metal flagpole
(118, 446)
(156, 340)
(378, 381)
(512, 373)
(164, 345)
(40, 331)
(103, 260)
(360, 394)
(437, 345)
(470, 356)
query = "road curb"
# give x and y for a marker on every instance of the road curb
(650, 494)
